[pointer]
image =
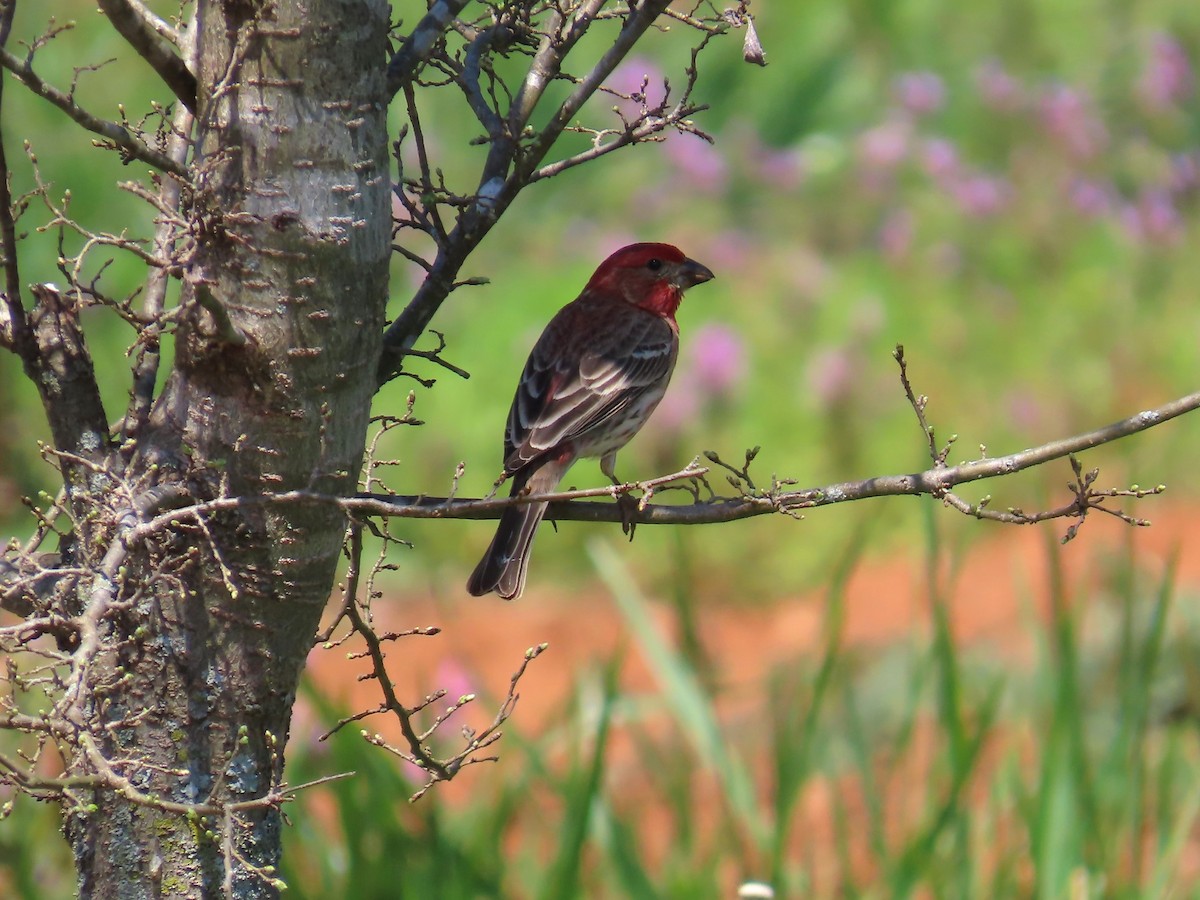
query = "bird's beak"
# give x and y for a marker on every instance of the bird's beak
(691, 273)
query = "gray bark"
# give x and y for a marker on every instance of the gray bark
(190, 692)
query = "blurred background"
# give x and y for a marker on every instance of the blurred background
(881, 698)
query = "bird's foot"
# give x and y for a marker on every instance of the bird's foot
(629, 507)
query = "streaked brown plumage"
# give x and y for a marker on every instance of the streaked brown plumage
(592, 379)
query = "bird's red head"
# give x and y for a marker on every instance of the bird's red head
(650, 276)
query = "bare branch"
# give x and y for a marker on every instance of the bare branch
(151, 38)
(14, 330)
(145, 370)
(547, 64)
(416, 48)
(67, 383)
(580, 505)
(573, 505)
(635, 26)
(506, 171)
(117, 135)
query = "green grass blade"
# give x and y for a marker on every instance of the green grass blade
(685, 696)
(582, 792)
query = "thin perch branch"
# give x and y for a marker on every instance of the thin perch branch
(578, 505)
(572, 505)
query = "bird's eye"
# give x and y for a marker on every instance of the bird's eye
(655, 264)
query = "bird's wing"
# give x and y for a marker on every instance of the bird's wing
(579, 377)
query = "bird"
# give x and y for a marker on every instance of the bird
(593, 378)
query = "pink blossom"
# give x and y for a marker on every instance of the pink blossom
(980, 195)
(729, 250)
(998, 89)
(1024, 409)
(1167, 79)
(1090, 198)
(454, 678)
(896, 235)
(1153, 218)
(831, 375)
(713, 368)
(698, 161)
(921, 93)
(939, 159)
(1068, 115)
(782, 169)
(884, 147)
(1185, 173)
(718, 359)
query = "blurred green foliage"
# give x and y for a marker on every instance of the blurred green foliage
(1009, 190)
(854, 772)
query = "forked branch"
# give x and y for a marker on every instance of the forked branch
(518, 154)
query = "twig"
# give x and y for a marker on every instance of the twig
(416, 48)
(571, 505)
(14, 330)
(512, 164)
(151, 38)
(110, 131)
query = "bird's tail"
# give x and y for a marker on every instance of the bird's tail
(506, 562)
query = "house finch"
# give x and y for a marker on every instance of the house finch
(591, 381)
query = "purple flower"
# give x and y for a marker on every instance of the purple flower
(781, 169)
(883, 147)
(1090, 198)
(454, 678)
(729, 250)
(678, 409)
(1025, 409)
(921, 93)
(831, 376)
(939, 159)
(1068, 116)
(1185, 172)
(1153, 218)
(699, 162)
(1167, 79)
(980, 195)
(713, 369)
(718, 359)
(998, 89)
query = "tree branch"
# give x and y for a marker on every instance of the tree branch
(937, 481)
(14, 330)
(498, 186)
(66, 380)
(145, 370)
(416, 48)
(635, 26)
(149, 36)
(111, 131)
(20, 587)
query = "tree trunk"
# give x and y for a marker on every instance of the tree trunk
(189, 693)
